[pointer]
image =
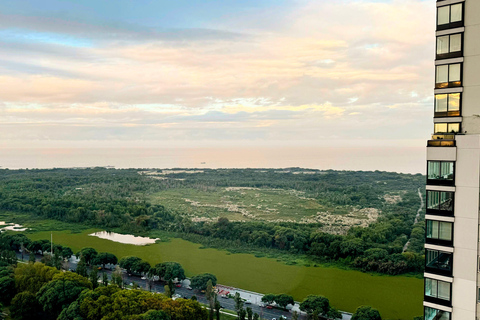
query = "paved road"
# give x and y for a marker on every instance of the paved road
(158, 286)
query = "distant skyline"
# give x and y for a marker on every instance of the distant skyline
(216, 73)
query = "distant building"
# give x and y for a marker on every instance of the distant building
(453, 167)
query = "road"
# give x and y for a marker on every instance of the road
(422, 204)
(158, 286)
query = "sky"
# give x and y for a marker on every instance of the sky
(101, 73)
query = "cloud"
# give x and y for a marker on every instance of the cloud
(335, 67)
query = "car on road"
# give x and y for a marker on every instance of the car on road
(224, 296)
(178, 285)
(248, 302)
(269, 307)
(188, 288)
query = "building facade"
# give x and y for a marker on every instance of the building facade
(453, 167)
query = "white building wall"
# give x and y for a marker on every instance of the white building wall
(465, 256)
(471, 69)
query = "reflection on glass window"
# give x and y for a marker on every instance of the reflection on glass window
(439, 230)
(449, 46)
(439, 261)
(447, 127)
(437, 289)
(440, 172)
(447, 105)
(448, 75)
(440, 201)
(435, 314)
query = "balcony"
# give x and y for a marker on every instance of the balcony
(442, 140)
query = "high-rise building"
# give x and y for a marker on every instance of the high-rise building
(453, 167)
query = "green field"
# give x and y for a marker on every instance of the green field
(248, 204)
(396, 297)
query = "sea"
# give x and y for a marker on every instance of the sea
(393, 159)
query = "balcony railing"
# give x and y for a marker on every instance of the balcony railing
(442, 140)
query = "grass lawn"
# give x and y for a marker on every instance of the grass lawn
(396, 297)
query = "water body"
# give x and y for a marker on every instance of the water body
(12, 226)
(124, 238)
(395, 159)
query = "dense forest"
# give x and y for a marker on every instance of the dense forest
(111, 198)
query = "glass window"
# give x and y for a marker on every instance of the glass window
(449, 46)
(453, 72)
(433, 170)
(454, 102)
(437, 289)
(443, 44)
(442, 74)
(443, 15)
(455, 42)
(456, 12)
(447, 127)
(446, 170)
(435, 314)
(439, 230)
(441, 102)
(439, 261)
(450, 16)
(448, 75)
(440, 201)
(440, 172)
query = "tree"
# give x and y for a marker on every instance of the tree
(155, 315)
(31, 277)
(7, 288)
(129, 263)
(57, 261)
(268, 298)
(25, 306)
(93, 276)
(171, 287)
(170, 270)
(82, 267)
(249, 313)
(104, 279)
(283, 300)
(104, 258)
(210, 295)
(117, 277)
(333, 313)
(31, 257)
(313, 304)
(142, 267)
(256, 316)
(66, 253)
(200, 281)
(366, 313)
(238, 303)
(241, 314)
(218, 306)
(61, 291)
(168, 293)
(90, 255)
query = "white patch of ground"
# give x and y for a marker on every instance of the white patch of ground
(339, 224)
(392, 199)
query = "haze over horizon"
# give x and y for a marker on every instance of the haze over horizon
(216, 73)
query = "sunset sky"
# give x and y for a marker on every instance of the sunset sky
(212, 73)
